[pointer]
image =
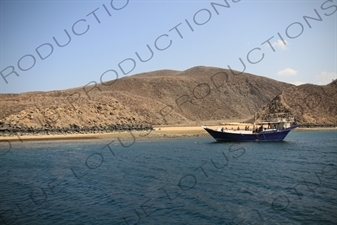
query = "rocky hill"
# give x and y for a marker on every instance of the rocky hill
(311, 105)
(163, 97)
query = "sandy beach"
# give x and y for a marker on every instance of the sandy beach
(158, 132)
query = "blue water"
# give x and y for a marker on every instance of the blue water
(170, 181)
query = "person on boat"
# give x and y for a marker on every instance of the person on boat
(221, 129)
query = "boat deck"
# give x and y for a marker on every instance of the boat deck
(245, 131)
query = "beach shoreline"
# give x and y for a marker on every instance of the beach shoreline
(156, 133)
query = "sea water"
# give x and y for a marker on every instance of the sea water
(170, 181)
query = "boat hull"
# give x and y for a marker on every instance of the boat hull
(277, 135)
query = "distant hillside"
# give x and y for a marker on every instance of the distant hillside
(196, 94)
(312, 105)
(154, 98)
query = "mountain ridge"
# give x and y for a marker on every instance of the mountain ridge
(163, 97)
(311, 105)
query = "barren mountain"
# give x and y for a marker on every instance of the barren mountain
(154, 98)
(311, 105)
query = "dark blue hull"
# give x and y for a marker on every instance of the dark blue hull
(277, 135)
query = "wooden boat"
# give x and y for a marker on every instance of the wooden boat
(275, 129)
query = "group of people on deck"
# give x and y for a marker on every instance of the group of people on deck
(246, 128)
(261, 128)
(258, 130)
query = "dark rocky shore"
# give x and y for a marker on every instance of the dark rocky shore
(12, 130)
(316, 125)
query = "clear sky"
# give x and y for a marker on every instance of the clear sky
(273, 38)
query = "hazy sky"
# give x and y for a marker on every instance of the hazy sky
(106, 37)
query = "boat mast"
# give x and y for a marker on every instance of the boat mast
(254, 122)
